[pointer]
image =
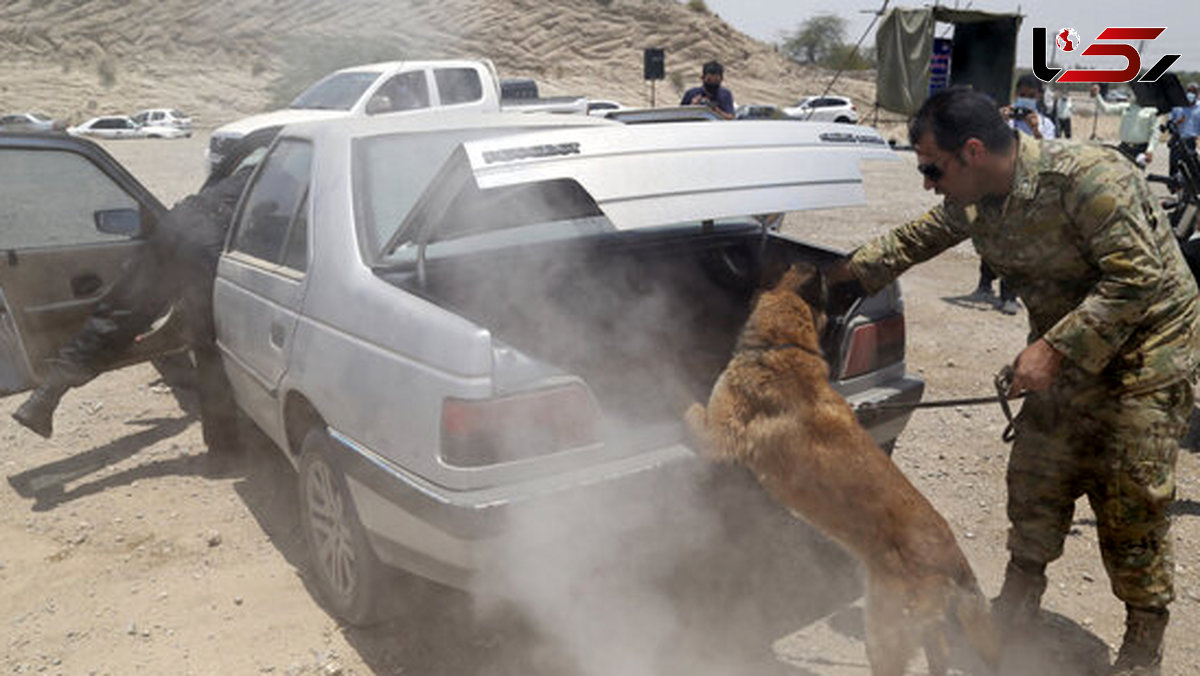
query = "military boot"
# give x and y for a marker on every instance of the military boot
(1016, 608)
(1141, 649)
(37, 413)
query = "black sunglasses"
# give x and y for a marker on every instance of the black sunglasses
(931, 171)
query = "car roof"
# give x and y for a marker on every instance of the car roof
(387, 66)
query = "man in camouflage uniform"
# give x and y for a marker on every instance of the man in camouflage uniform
(1112, 347)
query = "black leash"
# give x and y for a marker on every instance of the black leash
(1002, 381)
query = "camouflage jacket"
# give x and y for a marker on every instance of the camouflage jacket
(1085, 246)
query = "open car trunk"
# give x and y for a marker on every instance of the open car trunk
(647, 319)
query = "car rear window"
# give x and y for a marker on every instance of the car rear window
(337, 92)
(391, 172)
(458, 85)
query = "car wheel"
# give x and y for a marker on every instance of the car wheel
(347, 573)
(843, 120)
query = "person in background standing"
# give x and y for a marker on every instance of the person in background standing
(1187, 122)
(711, 93)
(1139, 128)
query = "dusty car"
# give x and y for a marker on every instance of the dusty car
(519, 318)
(29, 122)
(827, 108)
(109, 127)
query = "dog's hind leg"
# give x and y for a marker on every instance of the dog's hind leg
(937, 649)
(890, 635)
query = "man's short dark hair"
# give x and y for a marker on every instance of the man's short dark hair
(1029, 81)
(956, 114)
(714, 68)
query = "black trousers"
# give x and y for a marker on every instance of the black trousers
(177, 267)
(1176, 156)
(986, 277)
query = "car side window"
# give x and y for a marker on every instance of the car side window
(49, 198)
(458, 85)
(272, 203)
(405, 91)
(295, 255)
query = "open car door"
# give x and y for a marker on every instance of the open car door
(71, 219)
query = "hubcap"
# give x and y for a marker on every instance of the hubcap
(329, 525)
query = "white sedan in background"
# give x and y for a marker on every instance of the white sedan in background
(110, 126)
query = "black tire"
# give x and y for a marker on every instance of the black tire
(347, 573)
(842, 120)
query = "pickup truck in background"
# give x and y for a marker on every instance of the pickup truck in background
(375, 89)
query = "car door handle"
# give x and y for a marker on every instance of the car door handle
(278, 333)
(86, 284)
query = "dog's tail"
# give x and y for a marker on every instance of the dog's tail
(974, 614)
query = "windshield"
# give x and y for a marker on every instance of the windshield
(337, 92)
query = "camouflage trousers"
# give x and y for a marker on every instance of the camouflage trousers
(1079, 438)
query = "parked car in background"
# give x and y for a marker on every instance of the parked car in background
(665, 114)
(164, 117)
(824, 109)
(109, 126)
(600, 107)
(29, 122)
(759, 112)
(164, 131)
(400, 87)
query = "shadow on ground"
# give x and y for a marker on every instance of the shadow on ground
(1056, 645)
(47, 484)
(972, 302)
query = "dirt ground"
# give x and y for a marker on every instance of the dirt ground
(118, 555)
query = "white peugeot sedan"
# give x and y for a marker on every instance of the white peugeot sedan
(457, 328)
(109, 126)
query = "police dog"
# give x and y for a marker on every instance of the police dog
(773, 410)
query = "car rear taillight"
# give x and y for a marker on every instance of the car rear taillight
(480, 432)
(874, 345)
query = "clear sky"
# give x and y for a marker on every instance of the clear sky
(768, 19)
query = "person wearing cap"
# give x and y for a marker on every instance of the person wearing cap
(710, 93)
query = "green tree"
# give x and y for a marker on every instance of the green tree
(816, 39)
(843, 56)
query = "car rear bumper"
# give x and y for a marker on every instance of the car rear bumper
(452, 536)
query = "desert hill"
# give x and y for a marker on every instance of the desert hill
(223, 59)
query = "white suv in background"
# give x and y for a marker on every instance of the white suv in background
(824, 109)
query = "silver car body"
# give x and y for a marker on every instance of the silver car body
(328, 337)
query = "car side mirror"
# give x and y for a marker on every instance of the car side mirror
(124, 222)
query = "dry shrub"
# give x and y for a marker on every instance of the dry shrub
(106, 68)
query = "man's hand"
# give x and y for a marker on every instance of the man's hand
(1035, 368)
(1034, 124)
